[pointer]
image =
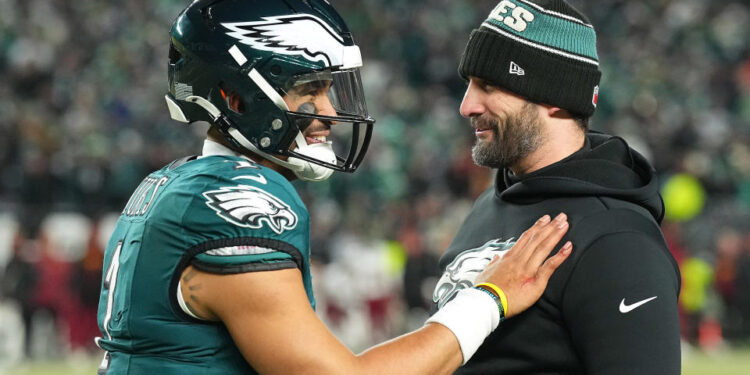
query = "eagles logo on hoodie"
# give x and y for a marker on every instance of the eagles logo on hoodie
(462, 272)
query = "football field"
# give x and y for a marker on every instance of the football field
(736, 362)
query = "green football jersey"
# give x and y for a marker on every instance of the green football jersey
(221, 214)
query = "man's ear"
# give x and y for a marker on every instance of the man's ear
(550, 109)
(556, 112)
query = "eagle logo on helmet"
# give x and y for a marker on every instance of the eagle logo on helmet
(464, 269)
(251, 207)
(299, 34)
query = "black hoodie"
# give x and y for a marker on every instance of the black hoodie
(611, 308)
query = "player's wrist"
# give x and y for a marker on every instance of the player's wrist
(497, 299)
(498, 295)
(472, 315)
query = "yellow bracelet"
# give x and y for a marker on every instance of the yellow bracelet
(499, 292)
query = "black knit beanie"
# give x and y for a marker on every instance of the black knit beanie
(543, 50)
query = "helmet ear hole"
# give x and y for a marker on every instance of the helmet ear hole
(235, 103)
(233, 99)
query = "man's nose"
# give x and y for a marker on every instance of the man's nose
(325, 108)
(472, 104)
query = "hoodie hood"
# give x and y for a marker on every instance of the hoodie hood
(606, 166)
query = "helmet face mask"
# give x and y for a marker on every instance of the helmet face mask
(265, 54)
(349, 133)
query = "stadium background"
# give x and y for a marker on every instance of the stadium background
(82, 120)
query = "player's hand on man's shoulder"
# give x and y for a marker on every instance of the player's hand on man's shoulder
(524, 271)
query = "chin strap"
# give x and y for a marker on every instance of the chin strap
(303, 169)
(319, 151)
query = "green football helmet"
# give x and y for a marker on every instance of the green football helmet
(260, 50)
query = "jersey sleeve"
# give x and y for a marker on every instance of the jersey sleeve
(620, 305)
(246, 219)
(247, 255)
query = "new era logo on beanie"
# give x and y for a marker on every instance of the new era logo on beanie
(515, 69)
(555, 44)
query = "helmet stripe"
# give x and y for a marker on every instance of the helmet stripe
(238, 55)
(268, 90)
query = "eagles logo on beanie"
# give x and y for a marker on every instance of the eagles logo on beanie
(543, 50)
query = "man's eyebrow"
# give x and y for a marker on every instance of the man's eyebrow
(313, 85)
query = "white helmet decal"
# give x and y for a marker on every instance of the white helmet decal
(298, 34)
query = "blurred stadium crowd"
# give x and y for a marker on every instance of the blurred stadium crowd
(82, 120)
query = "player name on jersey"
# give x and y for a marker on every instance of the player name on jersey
(141, 199)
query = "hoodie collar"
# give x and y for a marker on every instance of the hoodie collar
(605, 167)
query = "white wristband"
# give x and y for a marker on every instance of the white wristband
(472, 315)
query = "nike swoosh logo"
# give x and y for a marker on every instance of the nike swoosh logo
(628, 308)
(259, 178)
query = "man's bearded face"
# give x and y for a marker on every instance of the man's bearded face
(506, 141)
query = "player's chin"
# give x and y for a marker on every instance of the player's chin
(314, 140)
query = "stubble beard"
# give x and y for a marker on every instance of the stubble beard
(513, 138)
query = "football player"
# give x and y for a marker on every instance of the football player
(207, 270)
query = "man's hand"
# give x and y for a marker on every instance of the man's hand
(523, 272)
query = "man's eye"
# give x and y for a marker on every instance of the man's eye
(311, 90)
(488, 87)
(314, 88)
